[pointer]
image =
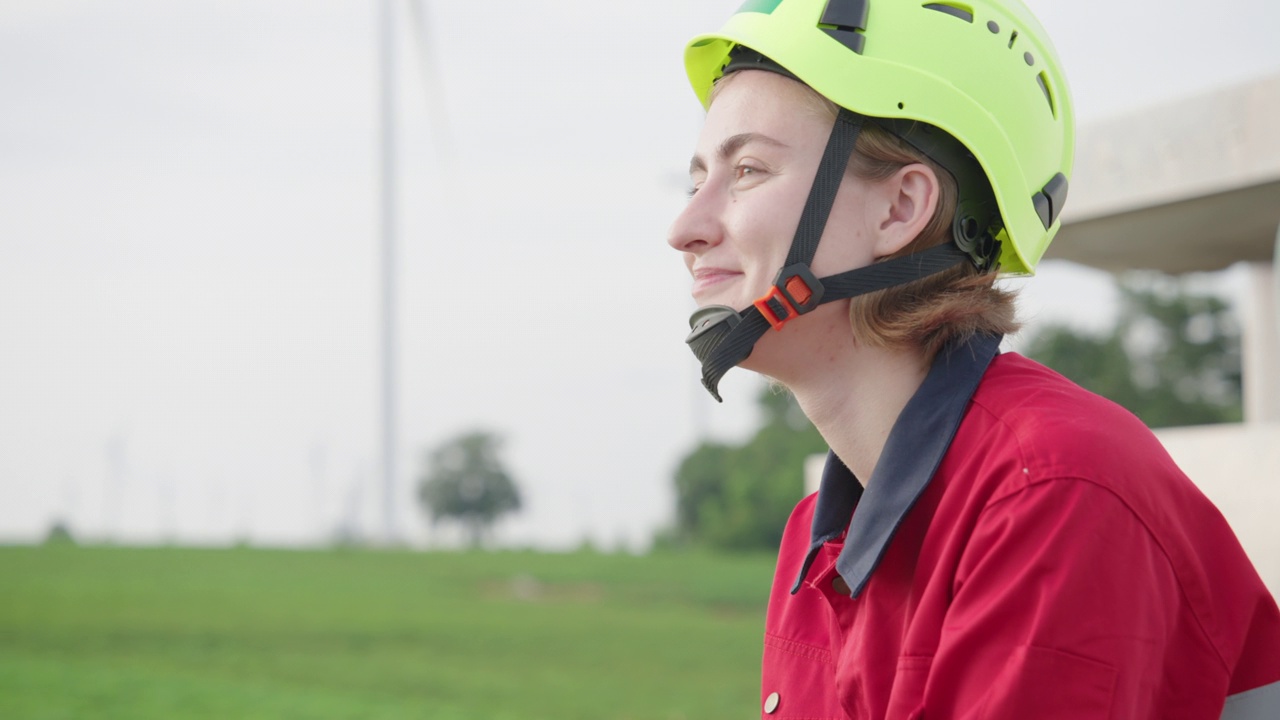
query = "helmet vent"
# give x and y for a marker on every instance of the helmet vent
(1043, 79)
(1049, 201)
(1012, 36)
(963, 12)
(846, 20)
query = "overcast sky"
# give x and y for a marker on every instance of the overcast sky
(188, 252)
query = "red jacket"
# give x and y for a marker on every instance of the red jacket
(1026, 550)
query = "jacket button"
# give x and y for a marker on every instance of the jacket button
(841, 586)
(771, 703)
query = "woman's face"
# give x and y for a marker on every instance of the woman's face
(751, 171)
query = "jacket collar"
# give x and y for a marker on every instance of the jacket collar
(915, 447)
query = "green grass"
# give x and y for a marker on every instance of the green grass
(185, 633)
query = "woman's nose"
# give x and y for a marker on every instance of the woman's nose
(698, 227)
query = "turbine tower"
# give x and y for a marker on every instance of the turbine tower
(387, 222)
(388, 215)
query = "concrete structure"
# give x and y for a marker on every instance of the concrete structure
(1194, 185)
(1191, 185)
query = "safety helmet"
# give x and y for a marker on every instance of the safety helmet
(983, 71)
(973, 85)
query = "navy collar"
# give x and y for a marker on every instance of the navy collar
(916, 445)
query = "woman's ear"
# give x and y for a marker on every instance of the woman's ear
(908, 199)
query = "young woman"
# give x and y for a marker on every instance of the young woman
(990, 540)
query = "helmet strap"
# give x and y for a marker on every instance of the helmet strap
(722, 337)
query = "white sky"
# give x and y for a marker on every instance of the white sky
(188, 252)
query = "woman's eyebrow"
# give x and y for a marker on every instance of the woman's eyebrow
(732, 145)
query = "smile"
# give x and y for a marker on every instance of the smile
(704, 278)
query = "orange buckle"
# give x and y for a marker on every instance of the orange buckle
(794, 292)
(775, 308)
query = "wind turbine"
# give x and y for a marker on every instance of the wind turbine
(388, 210)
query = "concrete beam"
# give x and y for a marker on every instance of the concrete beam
(1188, 185)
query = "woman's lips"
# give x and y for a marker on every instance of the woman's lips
(704, 278)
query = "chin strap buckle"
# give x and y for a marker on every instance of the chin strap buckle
(795, 292)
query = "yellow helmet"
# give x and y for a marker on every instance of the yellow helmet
(983, 71)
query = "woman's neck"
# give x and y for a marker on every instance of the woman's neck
(854, 398)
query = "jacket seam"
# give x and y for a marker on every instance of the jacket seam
(799, 649)
(1155, 540)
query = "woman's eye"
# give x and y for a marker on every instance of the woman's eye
(747, 171)
(692, 191)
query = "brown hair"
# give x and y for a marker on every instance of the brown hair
(952, 305)
(928, 313)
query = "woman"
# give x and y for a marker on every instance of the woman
(990, 540)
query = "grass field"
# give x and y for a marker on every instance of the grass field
(185, 633)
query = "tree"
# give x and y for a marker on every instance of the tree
(464, 480)
(739, 497)
(1172, 358)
